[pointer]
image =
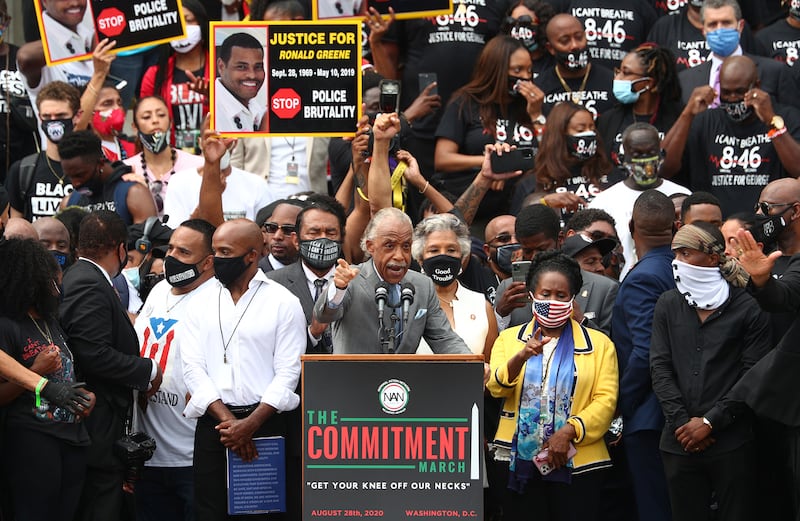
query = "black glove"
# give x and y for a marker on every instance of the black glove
(70, 397)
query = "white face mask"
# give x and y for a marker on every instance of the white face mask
(193, 37)
(703, 288)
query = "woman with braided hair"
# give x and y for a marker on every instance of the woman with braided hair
(647, 88)
(707, 333)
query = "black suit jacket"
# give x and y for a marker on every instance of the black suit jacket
(106, 352)
(775, 77)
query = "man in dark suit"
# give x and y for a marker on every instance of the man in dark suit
(652, 227)
(350, 302)
(718, 18)
(318, 237)
(538, 229)
(106, 353)
(277, 227)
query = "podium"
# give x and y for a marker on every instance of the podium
(392, 436)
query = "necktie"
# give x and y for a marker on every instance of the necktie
(325, 343)
(398, 325)
(319, 285)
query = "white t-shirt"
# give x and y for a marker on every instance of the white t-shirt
(618, 201)
(244, 195)
(159, 338)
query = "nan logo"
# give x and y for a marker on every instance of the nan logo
(393, 395)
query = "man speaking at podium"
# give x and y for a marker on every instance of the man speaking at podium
(383, 287)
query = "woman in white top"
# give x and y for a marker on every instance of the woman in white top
(441, 246)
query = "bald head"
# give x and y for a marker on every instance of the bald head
(562, 23)
(18, 228)
(500, 225)
(737, 70)
(52, 234)
(785, 190)
(244, 234)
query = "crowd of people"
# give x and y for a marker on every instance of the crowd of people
(600, 197)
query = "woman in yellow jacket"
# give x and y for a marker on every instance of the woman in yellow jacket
(559, 381)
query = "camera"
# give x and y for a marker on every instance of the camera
(134, 449)
(390, 95)
(398, 141)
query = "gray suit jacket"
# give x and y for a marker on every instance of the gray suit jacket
(355, 321)
(596, 299)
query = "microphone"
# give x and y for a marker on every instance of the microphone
(407, 297)
(381, 292)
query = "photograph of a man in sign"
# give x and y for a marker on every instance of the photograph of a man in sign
(68, 28)
(340, 8)
(240, 95)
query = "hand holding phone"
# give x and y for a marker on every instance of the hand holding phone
(517, 159)
(542, 463)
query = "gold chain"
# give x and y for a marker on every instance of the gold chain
(47, 336)
(575, 96)
(50, 166)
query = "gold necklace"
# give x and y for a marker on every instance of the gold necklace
(47, 336)
(576, 97)
(50, 166)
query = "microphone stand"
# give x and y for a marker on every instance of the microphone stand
(388, 334)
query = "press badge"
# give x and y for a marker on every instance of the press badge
(292, 170)
(225, 378)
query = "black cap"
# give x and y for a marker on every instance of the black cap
(577, 243)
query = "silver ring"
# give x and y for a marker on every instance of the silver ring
(755, 95)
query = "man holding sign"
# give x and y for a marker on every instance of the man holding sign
(240, 66)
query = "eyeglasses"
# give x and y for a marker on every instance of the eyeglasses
(500, 239)
(287, 229)
(766, 207)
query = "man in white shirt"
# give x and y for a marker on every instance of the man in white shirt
(68, 28)
(642, 160)
(242, 196)
(241, 348)
(241, 74)
(166, 487)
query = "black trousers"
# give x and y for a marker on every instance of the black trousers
(549, 501)
(210, 469)
(691, 479)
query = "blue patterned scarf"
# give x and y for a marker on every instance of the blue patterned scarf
(543, 410)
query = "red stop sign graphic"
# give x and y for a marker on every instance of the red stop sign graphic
(111, 22)
(286, 103)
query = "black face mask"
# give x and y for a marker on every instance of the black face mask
(503, 257)
(767, 229)
(794, 9)
(179, 274)
(56, 129)
(582, 146)
(575, 60)
(527, 34)
(320, 254)
(229, 269)
(122, 263)
(442, 269)
(155, 142)
(64, 260)
(737, 111)
(147, 284)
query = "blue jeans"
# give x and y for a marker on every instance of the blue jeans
(165, 494)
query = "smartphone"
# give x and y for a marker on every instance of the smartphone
(390, 96)
(518, 159)
(425, 79)
(540, 460)
(519, 271)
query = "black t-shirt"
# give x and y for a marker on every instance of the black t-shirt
(668, 7)
(44, 192)
(478, 277)
(734, 161)
(596, 96)
(187, 111)
(687, 42)
(780, 41)
(447, 45)
(613, 123)
(613, 27)
(16, 115)
(23, 341)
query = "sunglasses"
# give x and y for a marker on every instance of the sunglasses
(522, 20)
(765, 207)
(499, 240)
(287, 229)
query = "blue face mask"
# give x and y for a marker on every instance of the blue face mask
(723, 41)
(623, 91)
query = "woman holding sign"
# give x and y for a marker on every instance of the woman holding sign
(559, 381)
(181, 78)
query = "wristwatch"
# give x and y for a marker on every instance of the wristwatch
(541, 120)
(777, 122)
(706, 420)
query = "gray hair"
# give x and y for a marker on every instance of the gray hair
(717, 4)
(382, 215)
(439, 223)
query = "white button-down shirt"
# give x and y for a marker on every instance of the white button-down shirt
(263, 353)
(231, 116)
(65, 43)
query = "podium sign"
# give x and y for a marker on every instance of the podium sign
(392, 436)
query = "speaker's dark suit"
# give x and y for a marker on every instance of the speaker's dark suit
(106, 351)
(775, 77)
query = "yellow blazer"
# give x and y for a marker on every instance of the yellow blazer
(594, 398)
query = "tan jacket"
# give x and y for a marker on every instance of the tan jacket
(253, 155)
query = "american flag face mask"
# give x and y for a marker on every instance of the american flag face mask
(552, 313)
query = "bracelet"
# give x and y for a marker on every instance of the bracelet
(360, 193)
(543, 202)
(427, 184)
(89, 86)
(775, 132)
(39, 387)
